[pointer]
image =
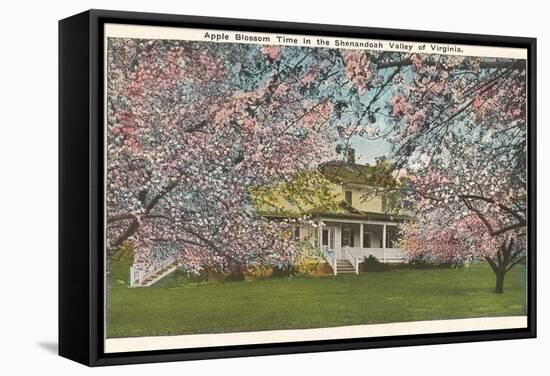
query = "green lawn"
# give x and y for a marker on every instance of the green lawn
(181, 307)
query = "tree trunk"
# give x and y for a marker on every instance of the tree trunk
(499, 289)
(132, 228)
(504, 260)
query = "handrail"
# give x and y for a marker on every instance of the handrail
(138, 275)
(352, 259)
(330, 257)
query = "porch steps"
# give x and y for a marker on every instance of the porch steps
(343, 266)
(160, 274)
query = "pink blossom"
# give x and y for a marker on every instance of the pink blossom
(416, 60)
(415, 120)
(359, 69)
(399, 105)
(309, 76)
(271, 52)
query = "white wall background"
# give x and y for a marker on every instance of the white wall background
(28, 186)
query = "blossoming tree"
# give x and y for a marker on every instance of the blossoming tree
(458, 130)
(193, 129)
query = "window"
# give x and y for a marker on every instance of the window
(347, 237)
(348, 197)
(391, 238)
(367, 239)
(296, 233)
(325, 237)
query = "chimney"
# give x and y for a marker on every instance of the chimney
(351, 155)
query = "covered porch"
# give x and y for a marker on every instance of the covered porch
(353, 240)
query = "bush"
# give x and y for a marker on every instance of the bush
(182, 275)
(284, 271)
(236, 274)
(423, 263)
(372, 264)
(307, 267)
(257, 272)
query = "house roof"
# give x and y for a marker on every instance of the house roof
(345, 172)
(347, 211)
(344, 211)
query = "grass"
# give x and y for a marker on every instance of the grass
(178, 307)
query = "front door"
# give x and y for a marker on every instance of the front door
(328, 237)
(347, 240)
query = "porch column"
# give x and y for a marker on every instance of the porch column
(361, 238)
(320, 238)
(384, 242)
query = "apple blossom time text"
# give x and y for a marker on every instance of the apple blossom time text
(319, 41)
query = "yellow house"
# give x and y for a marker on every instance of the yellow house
(358, 225)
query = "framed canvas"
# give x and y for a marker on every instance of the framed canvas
(235, 187)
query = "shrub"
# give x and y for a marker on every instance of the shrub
(307, 267)
(372, 264)
(257, 272)
(182, 275)
(284, 271)
(236, 274)
(424, 263)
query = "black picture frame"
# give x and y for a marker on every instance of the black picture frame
(81, 305)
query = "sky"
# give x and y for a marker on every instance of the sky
(366, 151)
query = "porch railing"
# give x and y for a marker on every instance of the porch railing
(139, 275)
(388, 255)
(352, 258)
(329, 255)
